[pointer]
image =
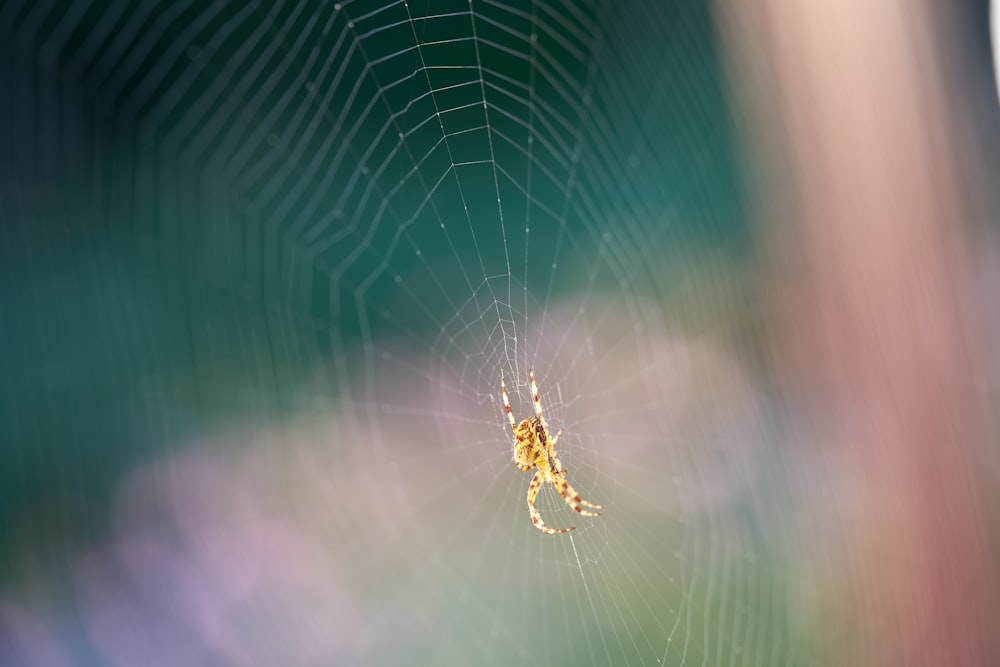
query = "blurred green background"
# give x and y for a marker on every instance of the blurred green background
(194, 196)
(262, 267)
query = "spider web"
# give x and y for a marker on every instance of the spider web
(266, 264)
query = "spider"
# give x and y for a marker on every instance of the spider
(533, 446)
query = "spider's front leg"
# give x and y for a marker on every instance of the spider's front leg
(571, 497)
(536, 518)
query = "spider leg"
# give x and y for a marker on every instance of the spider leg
(534, 394)
(536, 518)
(537, 401)
(538, 410)
(573, 498)
(506, 405)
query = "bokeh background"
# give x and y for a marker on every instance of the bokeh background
(263, 265)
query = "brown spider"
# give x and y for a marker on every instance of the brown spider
(533, 446)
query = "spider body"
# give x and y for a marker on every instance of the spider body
(535, 448)
(530, 441)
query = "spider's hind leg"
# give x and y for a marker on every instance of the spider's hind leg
(534, 393)
(506, 405)
(538, 402)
